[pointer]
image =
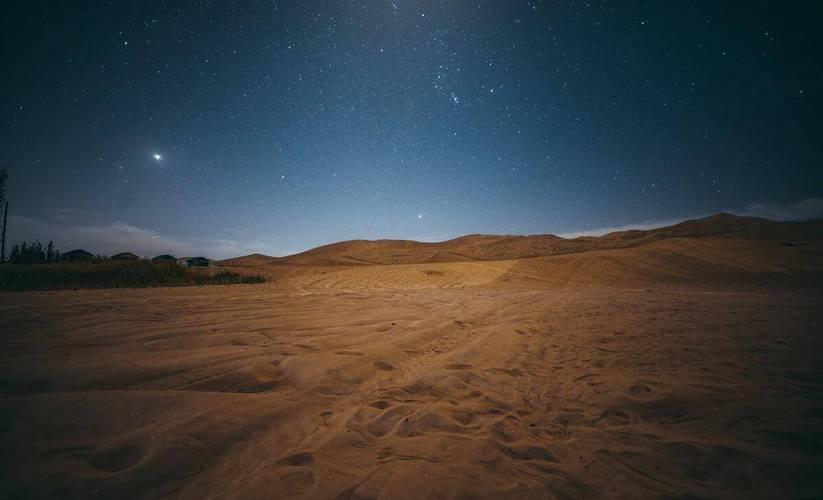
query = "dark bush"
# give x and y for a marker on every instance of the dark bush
(111, 274)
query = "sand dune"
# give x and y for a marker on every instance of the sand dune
(718, 261)
(686, 365)
(505, 247)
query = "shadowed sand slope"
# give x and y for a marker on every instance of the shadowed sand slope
(708, 261)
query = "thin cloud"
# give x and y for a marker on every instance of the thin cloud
(72, 228)
(69, 229)
(431, 238)
(611, 229)
(810, 208)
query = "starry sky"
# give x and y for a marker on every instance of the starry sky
(223, 128)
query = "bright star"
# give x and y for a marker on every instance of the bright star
(419, 216)
(157, 156)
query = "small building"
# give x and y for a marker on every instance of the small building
(125, 256)
(77, 255)
(197, 262)
(164, 258)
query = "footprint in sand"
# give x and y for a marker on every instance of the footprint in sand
(298, 459)
(458, 366)
(528, 453)
(640, 389)
(384, 365)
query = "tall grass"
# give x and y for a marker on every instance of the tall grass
(111, 274)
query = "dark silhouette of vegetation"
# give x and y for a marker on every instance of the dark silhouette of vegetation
(4, 211)
(111, 274)
(34, 253)
(3, 176)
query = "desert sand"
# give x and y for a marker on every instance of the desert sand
(685, 361)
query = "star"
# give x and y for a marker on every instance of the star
(157, 156)
(419, 216)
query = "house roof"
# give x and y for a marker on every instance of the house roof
(164, 257)
(124, 255)
(78, 252)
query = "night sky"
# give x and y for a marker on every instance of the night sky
(223, 128)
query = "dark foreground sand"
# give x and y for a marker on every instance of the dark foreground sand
(267, 391)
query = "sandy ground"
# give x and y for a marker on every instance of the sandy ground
(496, 387)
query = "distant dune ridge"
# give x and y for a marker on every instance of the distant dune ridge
(484, 247)
(719, 248)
